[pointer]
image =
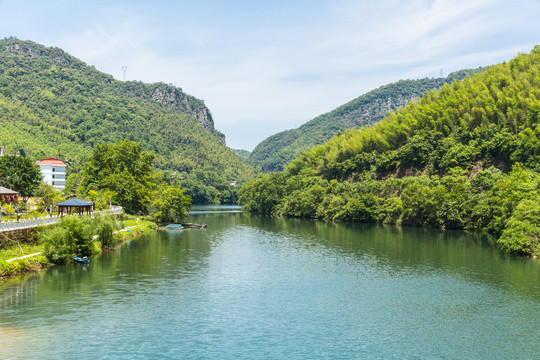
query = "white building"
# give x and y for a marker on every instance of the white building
(54, 172)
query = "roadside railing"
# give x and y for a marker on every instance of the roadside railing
(48, 220)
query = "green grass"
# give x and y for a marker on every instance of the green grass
(24, 216)
(136, 226)
(22, 264)
(16, 251)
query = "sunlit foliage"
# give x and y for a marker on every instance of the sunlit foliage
(464, 157)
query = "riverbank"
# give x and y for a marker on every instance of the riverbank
(505, 205)
(17, 266)
(316, 289)
(133, 227)
(14, 260)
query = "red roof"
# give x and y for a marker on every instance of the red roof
(51, 161)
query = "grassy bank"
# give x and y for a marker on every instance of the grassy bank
(71, 237)
(134, 226)
(34, 263)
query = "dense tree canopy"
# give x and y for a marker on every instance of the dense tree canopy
(464, 157)
(53, 105)
(125, 170)
(122, 173)
(491, 118)
(171, 205)
(20, 174)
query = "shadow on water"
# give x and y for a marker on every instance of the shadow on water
(397, 249)
(391, 249)
(128, 270)
(257, 283)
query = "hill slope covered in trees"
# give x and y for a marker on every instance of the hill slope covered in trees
(54, 105)
(464, 157)
(273, 153)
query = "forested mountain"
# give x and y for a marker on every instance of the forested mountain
(273, 153)
(244, 154)
(54, 105)
(464, 157)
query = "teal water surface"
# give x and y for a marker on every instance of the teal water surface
(251, 287)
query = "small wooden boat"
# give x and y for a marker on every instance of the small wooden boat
(83, 260)
(172, 227)
(194, 226)
(184, 226)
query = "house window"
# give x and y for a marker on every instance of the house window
(52, 169)
(53, 176)
(53, 182)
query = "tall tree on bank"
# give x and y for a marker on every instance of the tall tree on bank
(20, 174)
(171, 205)
(125, 170)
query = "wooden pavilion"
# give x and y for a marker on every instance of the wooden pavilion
(74, 206)
(8, 196)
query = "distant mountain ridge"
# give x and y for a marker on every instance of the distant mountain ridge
(54, 105)
(273, 153)
(162, 93)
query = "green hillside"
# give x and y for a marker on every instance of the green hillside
(54, 105)
(273, 153)
(244, 154)
(464, 157)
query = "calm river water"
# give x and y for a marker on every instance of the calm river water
(252, 287)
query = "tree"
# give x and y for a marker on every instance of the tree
(8, 209)
(171, 205)
(72, 236)
(48, 195)
(125, 170)
(20, 174)
(72, 183)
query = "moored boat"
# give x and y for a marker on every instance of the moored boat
(83, 260)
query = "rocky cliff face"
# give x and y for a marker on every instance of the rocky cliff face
(376, 110)
(174, 98)
(19, 49)
(277, 150)
(171, 96)
(32, 50)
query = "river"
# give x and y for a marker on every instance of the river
(254, 287)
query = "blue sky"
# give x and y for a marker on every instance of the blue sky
(267, 66)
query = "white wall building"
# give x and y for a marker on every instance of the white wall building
(54, 172)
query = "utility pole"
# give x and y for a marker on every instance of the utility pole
(124, 70)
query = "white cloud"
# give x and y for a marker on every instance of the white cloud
(267, 67)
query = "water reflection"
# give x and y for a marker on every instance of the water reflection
(395, 249)
(214, 209)
(261, 287)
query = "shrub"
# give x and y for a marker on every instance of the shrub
(105, 226)
(522, 231)
(73, 236)
(57, 245)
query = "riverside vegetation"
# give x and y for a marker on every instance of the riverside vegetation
(72, 236)
(463, 157)
(120, 173)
